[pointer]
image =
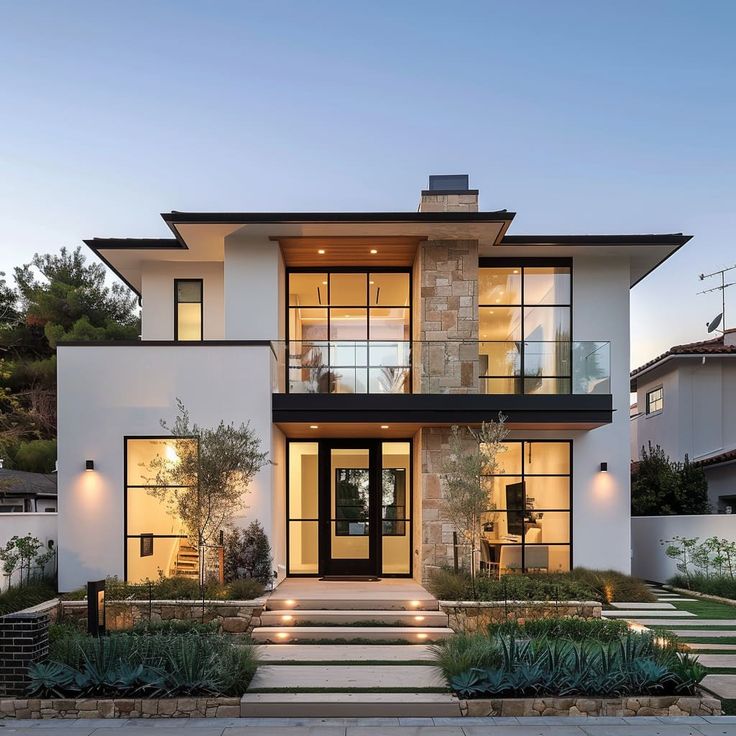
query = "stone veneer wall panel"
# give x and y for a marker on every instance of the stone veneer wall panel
(449, 315)
(437, 540)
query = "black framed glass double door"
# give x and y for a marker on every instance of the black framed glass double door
(349, 507)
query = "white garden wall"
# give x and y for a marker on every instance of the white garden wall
(649, 560)
(42, 525)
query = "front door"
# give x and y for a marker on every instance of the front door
(349, 507)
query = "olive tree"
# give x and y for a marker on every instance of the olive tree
(471, 457)
(207, 476)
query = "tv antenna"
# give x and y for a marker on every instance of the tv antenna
(712, 326)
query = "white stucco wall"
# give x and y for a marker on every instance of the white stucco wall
(699, 415)
(601, 501)
(157, 294)
(42, 525)
(721, 482)
(648, 532)
(108, 392)
(254, 288)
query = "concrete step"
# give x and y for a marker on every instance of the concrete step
(339, 678)
(283, 653)
(353, 616)
(349, 604)
(349, 705)
(302, 634)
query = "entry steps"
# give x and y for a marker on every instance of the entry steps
(334, 649)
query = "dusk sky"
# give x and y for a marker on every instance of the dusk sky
(582, 117)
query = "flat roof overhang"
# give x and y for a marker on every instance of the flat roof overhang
(421, 410)
(200, 236)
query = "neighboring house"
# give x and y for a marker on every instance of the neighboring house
(686, 404)
(352, 342)
(26, 492)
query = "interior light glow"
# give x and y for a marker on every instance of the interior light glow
(321, 251)
(373, 251)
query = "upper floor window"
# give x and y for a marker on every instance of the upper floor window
(525, 316)
(655, 400)
(188, 309)
(349, 331)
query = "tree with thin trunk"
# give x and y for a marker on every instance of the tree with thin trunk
(472, 457)
(208, 475)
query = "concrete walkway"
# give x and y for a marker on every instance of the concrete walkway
(607, 726)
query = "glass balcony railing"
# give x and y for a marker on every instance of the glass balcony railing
(442, 367)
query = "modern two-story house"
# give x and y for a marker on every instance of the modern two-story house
(352, 343)
(686, 404)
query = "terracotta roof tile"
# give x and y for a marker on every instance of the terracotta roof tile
(714, 346)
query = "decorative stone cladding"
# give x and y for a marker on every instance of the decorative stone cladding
(471, 616)
(669, 705)
(121, 708)
(437, 539)
(449, 315)
(234, 617)
(24, 639)
(449, 201)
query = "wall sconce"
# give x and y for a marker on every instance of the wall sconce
(604, 467)
(89, 465)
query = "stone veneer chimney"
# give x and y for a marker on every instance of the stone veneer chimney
(449, 193)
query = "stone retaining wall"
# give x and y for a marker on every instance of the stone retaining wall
(470, 616)
(233, 617)
(672, 705)
(121, 708)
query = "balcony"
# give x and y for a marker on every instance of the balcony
(562, 382)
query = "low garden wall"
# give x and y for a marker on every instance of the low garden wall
(470, 616)
(673, 705)
(233, 617)
(121, 708)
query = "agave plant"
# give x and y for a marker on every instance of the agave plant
(50, 679)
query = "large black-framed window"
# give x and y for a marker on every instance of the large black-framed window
(189, 309)
(528, 524)
(152, 534)
(349, 330)
(525, 325)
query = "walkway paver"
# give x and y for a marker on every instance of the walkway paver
(631, 613)
(717, 660)
(722, 685)
(696, 646)
(702, 633)
(636, 606)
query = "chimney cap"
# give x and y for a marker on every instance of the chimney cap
(449, 184)
(456, 182)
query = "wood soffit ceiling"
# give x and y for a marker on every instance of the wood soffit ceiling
(398, 251)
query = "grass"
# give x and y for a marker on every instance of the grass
(707, 609)
(580, 584)
(723, 586)
(18, 598)
(176, 588)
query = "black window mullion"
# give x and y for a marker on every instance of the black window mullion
(523, 366)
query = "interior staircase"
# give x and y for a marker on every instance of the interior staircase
(349, 649)
(186, 564)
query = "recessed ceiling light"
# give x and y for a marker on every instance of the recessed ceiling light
(373, 251)
(384, 426)
(321, 251)
(516, 270)
(324, 283)
(314, 426)
(372, 282)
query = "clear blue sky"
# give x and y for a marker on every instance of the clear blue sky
(580, 116)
